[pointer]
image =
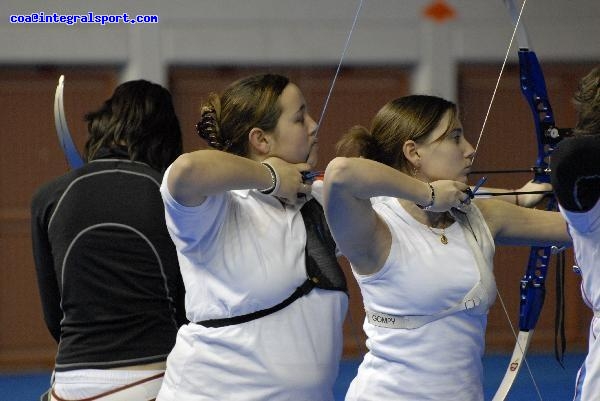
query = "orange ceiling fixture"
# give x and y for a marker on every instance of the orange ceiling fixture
(439, 11)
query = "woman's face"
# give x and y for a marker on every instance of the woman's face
(294, 137)
(446, 154)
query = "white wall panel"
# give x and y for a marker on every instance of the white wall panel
(307, 32)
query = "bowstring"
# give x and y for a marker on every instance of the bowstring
(515, 335)
(359, 344)
(339, 66)
(487, 114)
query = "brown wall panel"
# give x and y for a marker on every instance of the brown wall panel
(32, 156)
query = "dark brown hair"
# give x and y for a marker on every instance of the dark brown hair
(407, 118)
(139, 116)
(587, 104)
(251, 102)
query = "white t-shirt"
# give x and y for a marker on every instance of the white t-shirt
(442, 359)
(585, 231)
(239, 252)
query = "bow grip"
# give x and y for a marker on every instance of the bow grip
(532, 288)
(532, 300)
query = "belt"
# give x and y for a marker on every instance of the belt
(141, 390)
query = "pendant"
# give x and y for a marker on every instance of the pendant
(443, 238)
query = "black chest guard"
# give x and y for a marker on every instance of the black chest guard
(322, 267)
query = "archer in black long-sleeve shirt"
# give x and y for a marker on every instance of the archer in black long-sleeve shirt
(107, 270)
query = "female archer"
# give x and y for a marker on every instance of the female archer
(246, 227)
(421, 251)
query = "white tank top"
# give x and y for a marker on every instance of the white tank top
(442, 358)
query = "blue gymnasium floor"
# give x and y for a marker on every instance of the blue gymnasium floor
(554, 383)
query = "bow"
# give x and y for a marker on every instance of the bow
(532, 284)
(62, 130)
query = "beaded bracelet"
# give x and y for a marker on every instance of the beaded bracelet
(430, 205)
(274, 180)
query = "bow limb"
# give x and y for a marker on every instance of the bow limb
(62, 130)
(518, 356)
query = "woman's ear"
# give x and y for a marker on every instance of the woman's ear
(259, 141)
(411, 154)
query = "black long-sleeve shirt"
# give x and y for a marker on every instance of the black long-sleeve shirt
(107, 270)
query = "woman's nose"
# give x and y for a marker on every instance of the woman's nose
(312, 126)
(470, 150)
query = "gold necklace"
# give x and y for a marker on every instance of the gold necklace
(443, 238)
